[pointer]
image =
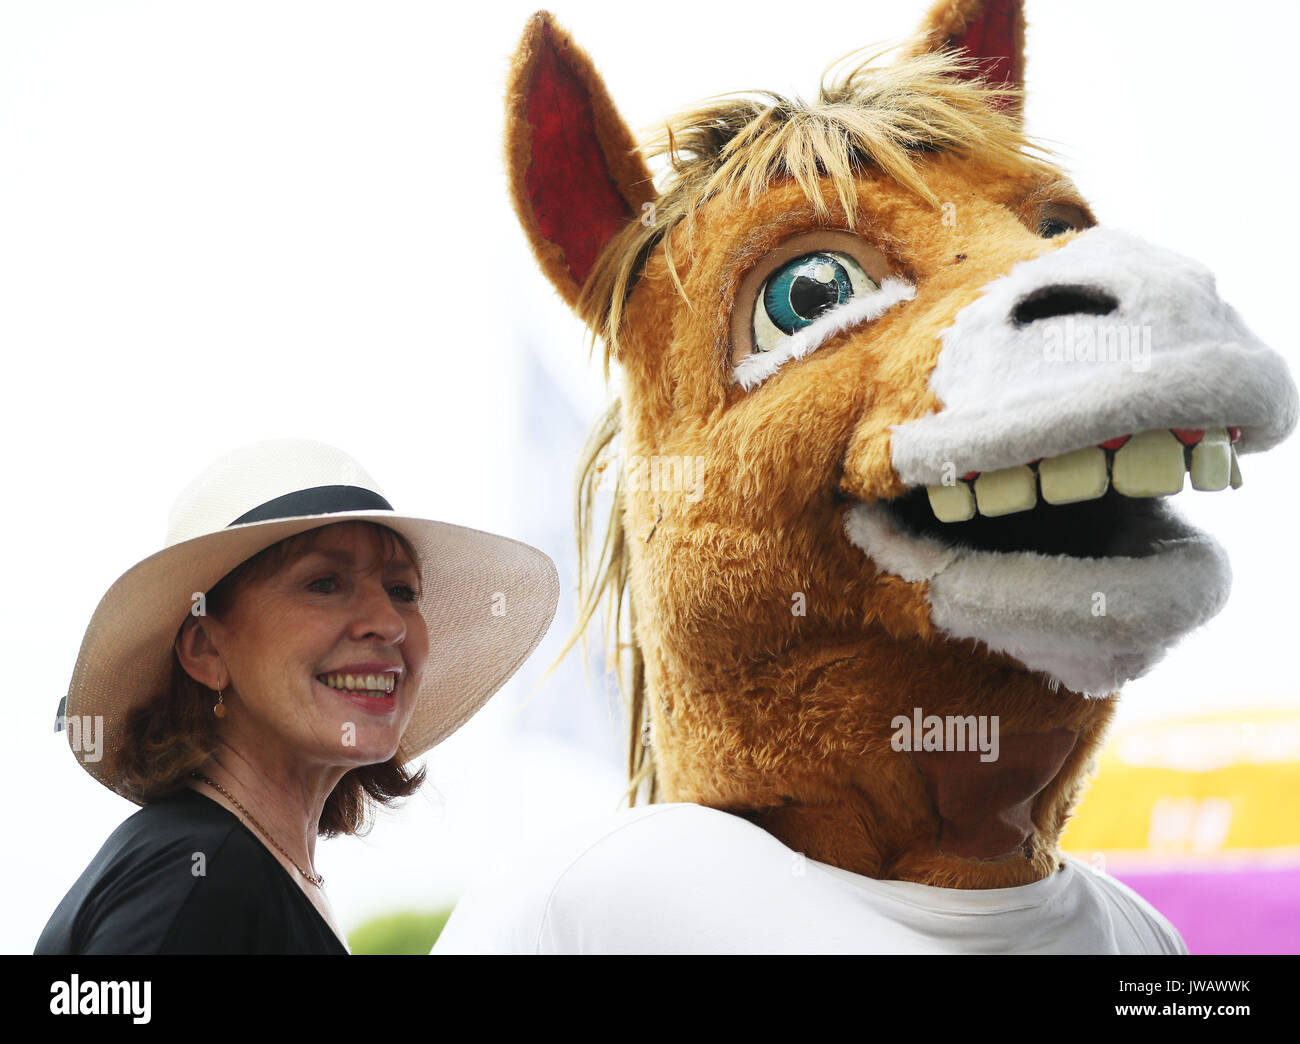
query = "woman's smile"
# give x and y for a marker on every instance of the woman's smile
(370, 686)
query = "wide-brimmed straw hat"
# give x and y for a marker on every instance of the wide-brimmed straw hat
(488, 600)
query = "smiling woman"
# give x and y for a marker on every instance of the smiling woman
(173, 735)
(265, 680)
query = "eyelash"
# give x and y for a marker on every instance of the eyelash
(411, 597)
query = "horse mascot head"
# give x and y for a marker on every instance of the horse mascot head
(896, 428)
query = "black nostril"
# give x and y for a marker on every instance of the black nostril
(1047, 302)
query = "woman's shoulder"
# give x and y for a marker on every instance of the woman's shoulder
(175, 836)
(174, 853)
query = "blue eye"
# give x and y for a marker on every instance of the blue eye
(802, 290)
(805, 288)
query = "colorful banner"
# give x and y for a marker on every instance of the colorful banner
(1201, 817)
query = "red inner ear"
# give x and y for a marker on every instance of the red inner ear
(576, 203)
(992, 38)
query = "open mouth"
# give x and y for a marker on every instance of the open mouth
(1074, 565)
(1097, 502)
(1037, 518)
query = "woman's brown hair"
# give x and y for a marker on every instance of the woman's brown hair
(175, 733)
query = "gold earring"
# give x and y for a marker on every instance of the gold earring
(220, 709)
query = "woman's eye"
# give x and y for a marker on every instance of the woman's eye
(405, 592)
(329, 582)
(803, 290)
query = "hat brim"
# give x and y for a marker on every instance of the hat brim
(488, 600)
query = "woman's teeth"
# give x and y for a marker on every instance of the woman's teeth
(363, 684)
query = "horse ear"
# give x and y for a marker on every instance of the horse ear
(576, 175)
(991, 31)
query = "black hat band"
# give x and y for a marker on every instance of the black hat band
(319, 500)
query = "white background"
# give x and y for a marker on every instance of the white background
(223, 222)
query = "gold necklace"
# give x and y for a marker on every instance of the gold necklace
(315, 879)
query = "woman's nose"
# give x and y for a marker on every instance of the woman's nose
(376, 615)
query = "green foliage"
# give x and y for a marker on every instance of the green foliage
(399, 933)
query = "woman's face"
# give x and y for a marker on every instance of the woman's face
(289, 642)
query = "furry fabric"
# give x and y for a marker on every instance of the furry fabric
(560, 118)
(992, 32)
(1042, 610)
(784, 617)
(1172, 354)
(1012, 392)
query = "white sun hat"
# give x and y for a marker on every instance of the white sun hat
(487, 599)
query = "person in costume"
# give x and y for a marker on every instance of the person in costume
(897, 423)
(267, 679)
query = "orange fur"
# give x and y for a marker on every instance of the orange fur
(786, 718)
(754, 709)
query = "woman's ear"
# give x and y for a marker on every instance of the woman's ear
(199, 656)
(576, 175)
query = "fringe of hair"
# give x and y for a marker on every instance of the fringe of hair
(866, 115)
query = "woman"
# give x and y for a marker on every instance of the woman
(266, 679)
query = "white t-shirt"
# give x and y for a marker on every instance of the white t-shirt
(682, 878)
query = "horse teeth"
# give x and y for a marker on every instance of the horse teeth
(1073, 477)
(1148, 464)
(955, 503)
(1212, 461)
(1006, 491)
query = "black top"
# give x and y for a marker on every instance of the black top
(185, 875)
